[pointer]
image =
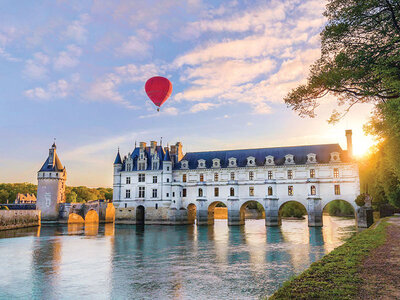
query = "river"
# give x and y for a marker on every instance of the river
(161, 262)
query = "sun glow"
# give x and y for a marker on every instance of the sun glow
(362, 144)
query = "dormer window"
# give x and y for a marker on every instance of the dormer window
(216, 163)
(232, 162)
(201, 163)
(184, 164)
(311, 158)
(335, 157)
(269, 160)
(251, 161)
(289, 159)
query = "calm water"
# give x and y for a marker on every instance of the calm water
(161, 262)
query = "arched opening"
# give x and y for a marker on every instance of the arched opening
(140, 215)
(75, 219)
(91, 217)
(292, 210)
(252, 210)
(339, 208)
(191, 211)
(217, 210)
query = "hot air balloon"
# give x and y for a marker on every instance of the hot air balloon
(158, 89)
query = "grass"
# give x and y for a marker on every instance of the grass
(335, 276)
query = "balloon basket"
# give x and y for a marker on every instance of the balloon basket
(158, 109)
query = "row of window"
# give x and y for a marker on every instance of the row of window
(142, 178)
(251, 175)
(313, 191)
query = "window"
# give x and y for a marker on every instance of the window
(154, 179)
(200, 192)
(201, 177)
(232, 192)
(154, 193)
(141, 191)
(184, 192)
(142, 166)
(270, 191)
(127, 193)
(269, 174)
(156, 205)
(232, 175)
(142, 178)
(251, 175)
(335, 173)
(167, 195)
(128, 180)
(167, 168)
(126, 205)
(216, 192)
(155, 165)
(251, 191)
(313, 190)
(184, 178)
(215, 176)
(290, 190)
(337, 189)
(167, 179)
(173, 194)
(290, 174)
(312, 173)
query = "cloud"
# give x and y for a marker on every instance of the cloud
(136, 46)
(57, 89)
(76, 30)
(7, 56)
(36, 67)
(68, 58)
(202, 106)
(105, 89)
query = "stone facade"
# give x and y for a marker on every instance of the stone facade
(13, 219)
(51, 186)
(167, 185)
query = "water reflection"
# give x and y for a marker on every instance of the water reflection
(161, 262)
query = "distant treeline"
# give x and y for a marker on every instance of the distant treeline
(9, 191)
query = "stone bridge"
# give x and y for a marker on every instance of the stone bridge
(202, 209)
(93, 211)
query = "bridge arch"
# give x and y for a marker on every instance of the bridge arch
(91, 217)
(242, 211)
(74, 218)
(191, 212)
(211, 210)
(340, 207)
(291, 209)
(140, 215)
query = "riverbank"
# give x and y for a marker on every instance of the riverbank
(14, 219)
(359, 269)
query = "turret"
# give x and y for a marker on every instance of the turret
(117, 178)
(51, 186)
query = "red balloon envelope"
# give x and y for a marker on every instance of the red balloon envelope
(158, 89)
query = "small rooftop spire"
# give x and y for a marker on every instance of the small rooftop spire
(54, 144)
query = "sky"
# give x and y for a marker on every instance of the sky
(75, 71)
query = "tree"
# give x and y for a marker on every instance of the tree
(4, 196)
(360, 57)
(71, 197)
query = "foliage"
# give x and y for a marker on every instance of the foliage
(335, 276)
(9, 191)
(293, 209)
(339, 208)
(360, 57)
(360, 200)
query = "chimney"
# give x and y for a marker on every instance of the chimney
(153, 144)
(142, 145)
(179, 152)
(173, 150)
(349, 134)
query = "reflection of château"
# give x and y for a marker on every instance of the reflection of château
(159, 185)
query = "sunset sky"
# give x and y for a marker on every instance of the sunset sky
(75, 71)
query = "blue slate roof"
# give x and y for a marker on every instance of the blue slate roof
(56, 166)
(147, 151)
(118, 159)
(300, 155)
(166, 156)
